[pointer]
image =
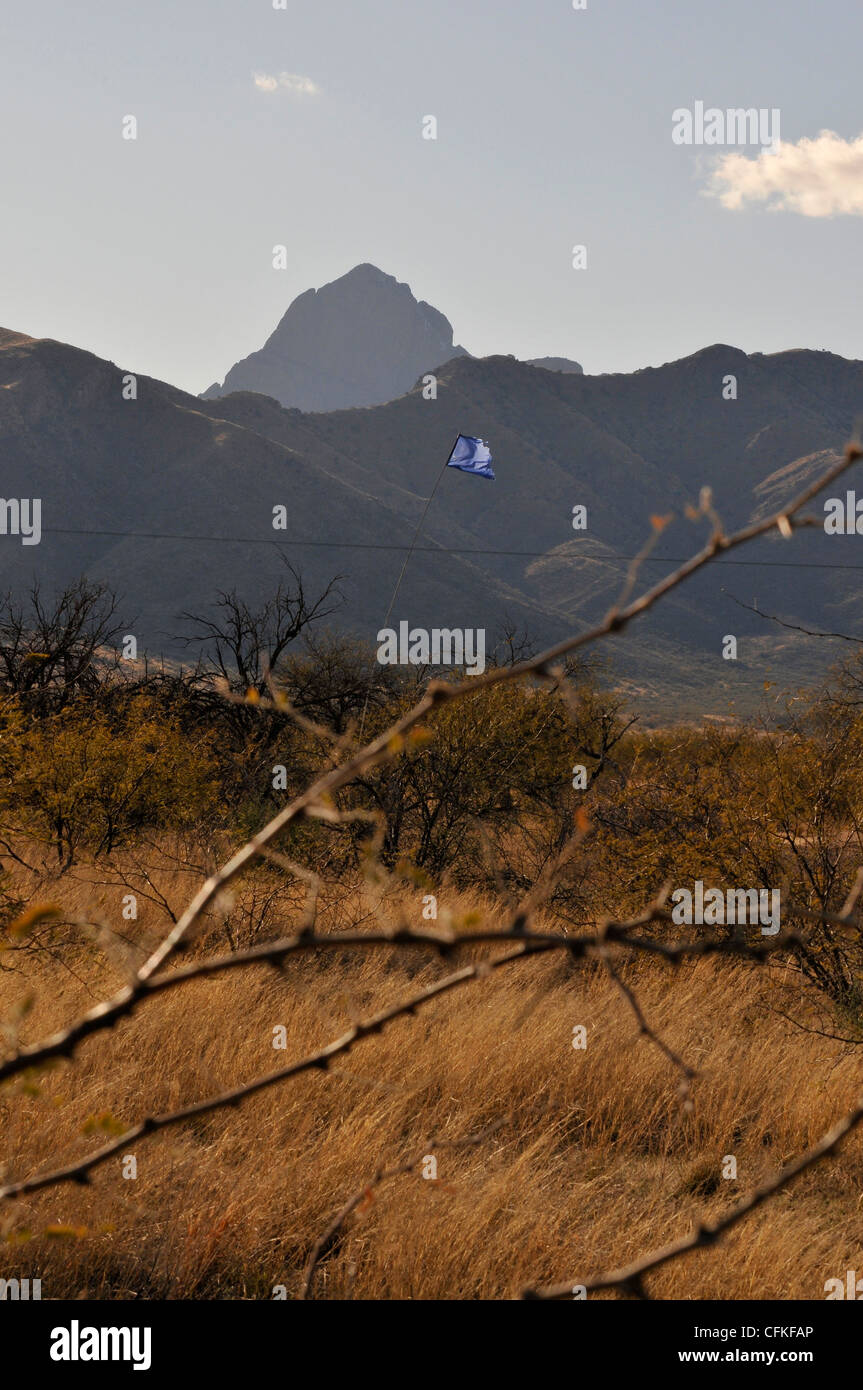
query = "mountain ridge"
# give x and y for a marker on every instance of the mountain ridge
(141, 476)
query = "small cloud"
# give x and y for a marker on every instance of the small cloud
(292, 82)
(299, 86)
(820, 177)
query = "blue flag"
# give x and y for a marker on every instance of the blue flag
(471, 456)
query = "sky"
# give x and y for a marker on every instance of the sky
(303, 126)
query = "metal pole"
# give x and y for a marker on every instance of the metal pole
(408, 556)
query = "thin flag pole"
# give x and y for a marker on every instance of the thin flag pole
(417, 532)
(407, 558)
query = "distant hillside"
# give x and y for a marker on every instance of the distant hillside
(555, 364)
(197, 480)
(360, 340)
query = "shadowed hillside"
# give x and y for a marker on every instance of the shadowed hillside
(198, 480)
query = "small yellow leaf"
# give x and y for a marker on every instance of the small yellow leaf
(19, 1237)
(420, 735)
(40, 912)
(104, 1122)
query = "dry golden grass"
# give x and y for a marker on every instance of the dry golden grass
(596, 1160)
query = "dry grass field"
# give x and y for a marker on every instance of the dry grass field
(585, 1158)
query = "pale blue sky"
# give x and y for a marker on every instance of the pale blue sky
(554, 128)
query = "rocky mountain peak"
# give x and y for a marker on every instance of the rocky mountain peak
(361, 340)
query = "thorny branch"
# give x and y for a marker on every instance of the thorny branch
(315, 1061)
(630, 1279)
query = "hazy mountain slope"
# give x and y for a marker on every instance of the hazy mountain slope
(355, 482)
(554, 364)
(104, 466)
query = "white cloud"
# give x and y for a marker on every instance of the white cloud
(818, 178)
(292, 82)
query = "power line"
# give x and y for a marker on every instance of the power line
(432, 549)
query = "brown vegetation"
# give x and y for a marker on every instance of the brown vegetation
(598, 1156)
